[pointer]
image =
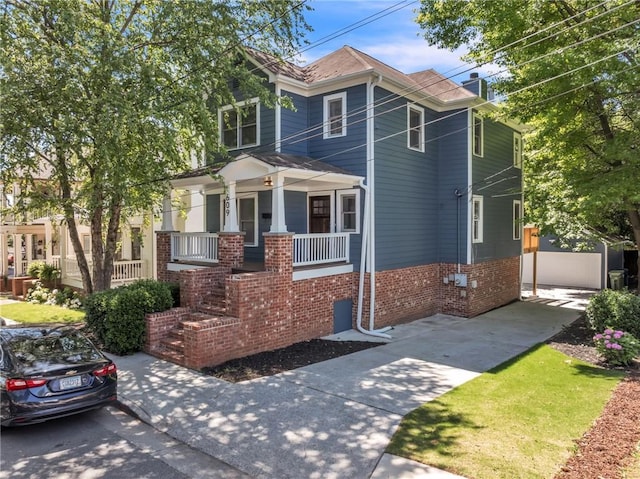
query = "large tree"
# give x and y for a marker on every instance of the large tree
(568, 68)
(110, 97)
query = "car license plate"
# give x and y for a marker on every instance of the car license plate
(70, 382)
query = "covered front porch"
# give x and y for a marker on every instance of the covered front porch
(266, 193)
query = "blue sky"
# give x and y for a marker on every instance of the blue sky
(394, 38)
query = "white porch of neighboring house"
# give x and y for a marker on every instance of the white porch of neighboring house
(322, 249)
(45, 240)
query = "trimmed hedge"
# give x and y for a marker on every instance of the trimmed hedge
(116, 316)
(615, 309)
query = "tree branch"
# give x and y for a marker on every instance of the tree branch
(132, 13)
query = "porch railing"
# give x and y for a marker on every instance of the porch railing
(123, 271)
(202, 247)
(320, 248)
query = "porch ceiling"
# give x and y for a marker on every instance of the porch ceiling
(249, 170)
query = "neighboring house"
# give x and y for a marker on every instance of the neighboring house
(382, 197)
(560, 266)
(41, 236)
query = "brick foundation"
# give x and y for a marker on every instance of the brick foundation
(496, 283)
(268, 310)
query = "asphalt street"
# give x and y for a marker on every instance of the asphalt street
(105, 444)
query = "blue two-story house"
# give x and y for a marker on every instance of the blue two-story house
(396, 196)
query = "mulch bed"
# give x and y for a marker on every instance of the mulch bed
(285, 359)
(604, 452)
(608, 448)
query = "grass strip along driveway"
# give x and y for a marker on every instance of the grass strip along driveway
(29, 313)
(518, 420)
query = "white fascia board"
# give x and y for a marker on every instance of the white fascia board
(324, 86)
(490, 107)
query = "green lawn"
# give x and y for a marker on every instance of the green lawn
(518, 420)
(40, 313)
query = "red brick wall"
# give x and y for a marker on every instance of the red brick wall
(497, 284)
(231, 249)
(313, 301)
(197, 284)
(163, 250)
(404, 294)
(158, 326)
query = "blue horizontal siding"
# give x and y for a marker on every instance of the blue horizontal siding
(499, 183)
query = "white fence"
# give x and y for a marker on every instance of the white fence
(320, 248)
(201, 247)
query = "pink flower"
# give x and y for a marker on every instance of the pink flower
(608, 331)
(618, 334)
(597, 337)
(608, 345)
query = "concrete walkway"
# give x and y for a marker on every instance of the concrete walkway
(333, 419)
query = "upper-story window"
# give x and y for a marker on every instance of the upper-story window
(478, 135)
(476, 225)
(335, 117)
(415, 127)
(240, 127)
(517, 150)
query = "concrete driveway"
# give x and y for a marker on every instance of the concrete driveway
(332, 419)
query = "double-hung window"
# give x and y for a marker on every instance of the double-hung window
(415, 127)
(334, 115)
(478, 135)
(349, 211)
(477, 220)
(247, 210)
(240, 126)
(517, 219)
(517, 150)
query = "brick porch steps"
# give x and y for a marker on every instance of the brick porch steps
(172, 347)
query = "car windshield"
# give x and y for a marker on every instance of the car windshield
(45, 350)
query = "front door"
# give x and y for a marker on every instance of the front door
(320, 214)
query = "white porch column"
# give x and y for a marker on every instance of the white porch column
(167, 214)
(277, 205)
(231, 210)
(4, 251)
(28, 246)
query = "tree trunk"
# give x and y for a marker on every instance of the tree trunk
(634, 218)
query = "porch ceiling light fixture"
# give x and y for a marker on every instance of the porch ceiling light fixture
(268, 181)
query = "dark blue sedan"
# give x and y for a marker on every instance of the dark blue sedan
(48, 373)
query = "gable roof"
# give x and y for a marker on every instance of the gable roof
(348, 61)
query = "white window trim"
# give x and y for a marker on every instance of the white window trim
(517, 153)
(332, 208)
(479, 238)
(473, 135)
(239, 196)
(252, 101)
(517, 221)
(340, 194)
(420, 110)
(326, 133)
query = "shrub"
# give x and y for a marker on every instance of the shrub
(617, 347)
(117, 316)
(618, 310)
(34, 269)
(67, 298)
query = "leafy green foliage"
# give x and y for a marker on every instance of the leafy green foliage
(569, 69)
(112, 98)
(615, 309)
(617, 347)
(116, 316)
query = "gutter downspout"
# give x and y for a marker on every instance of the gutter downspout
(368, 228)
